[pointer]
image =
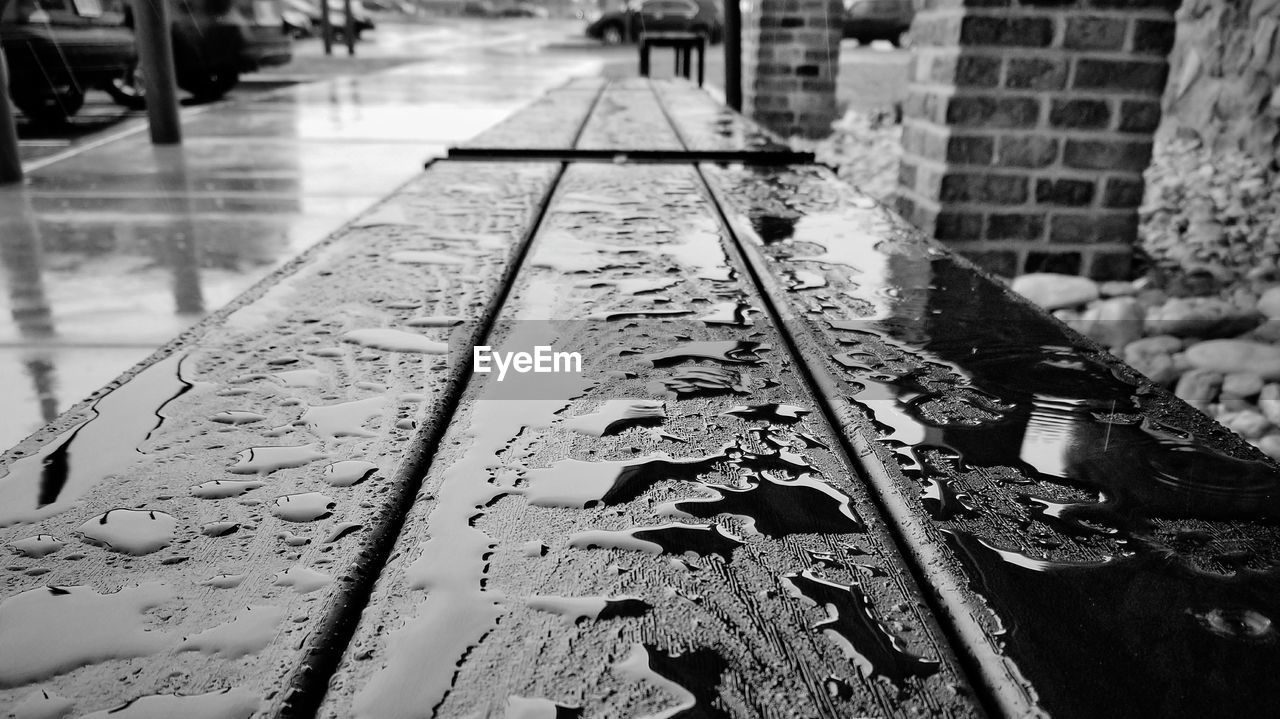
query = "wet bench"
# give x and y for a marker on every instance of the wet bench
(813, 464)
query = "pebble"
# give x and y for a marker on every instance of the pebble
(1112, 322)
(1228, 356)
(1153, 357)
(1249, 424)
(1269, 402)
(1054, 291)
(1270, 445)
(1199, 387)
(1269, 303)
(1241, 384)
(1207, 317)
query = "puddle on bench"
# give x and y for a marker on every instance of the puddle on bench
(265, 460)
(303, 507)
(224, 488)
(345, 419)
(676, 538)
(393, 340)
(130, 531)
(576, 609)
(348, 472)
(618, 415)
(52, 630)
(732, 352)
(249, 632)
(48, 482)
(226, 704)
(692, 678)
(853, 625)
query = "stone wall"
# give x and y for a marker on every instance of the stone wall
(791, 53)
(1027, 127)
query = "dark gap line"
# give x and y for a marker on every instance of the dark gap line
(305, 690)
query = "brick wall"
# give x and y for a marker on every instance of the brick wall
(1027, 126)
(791, 52)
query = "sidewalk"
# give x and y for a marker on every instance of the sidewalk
(113, 249)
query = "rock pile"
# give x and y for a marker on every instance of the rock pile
(1220, 353)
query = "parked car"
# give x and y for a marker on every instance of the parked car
(478, 8)
(56, 49)
(867, 20)
(629, 22)
(293, 9)
(214, 41)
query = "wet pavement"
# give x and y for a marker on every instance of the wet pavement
(114, 247)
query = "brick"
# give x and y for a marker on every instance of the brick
(1092, 227)
(1154, 37)
(906, 207)
(808, 71)
(970, 150)
(976, 71)
(958, 226)
(1064, 192)
(982, 187)
(1015, 226)
(1121, 75)
(1095, 33)
(1036, 74)
(981, 30)
(1063, 263)
(1000, 262)
(1107, 155)
(906, 175)
(1139, 116)
(1080, 114)
(1112, 265)
(1167, 5)
(821, 84)
(788, 22)
(1028, 151)
(1048, 3)
(1123, 192)
(999, 112)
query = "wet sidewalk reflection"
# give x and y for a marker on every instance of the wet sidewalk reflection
(112, 252)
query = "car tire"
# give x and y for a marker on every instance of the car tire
(210, 85)
(611, 35)
(48, 108)
(897, 40)
(129, 90)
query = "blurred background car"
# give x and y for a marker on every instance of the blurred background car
(629, 22)
(867, 20)
(524, 9)
(214, 41)
(56, 49)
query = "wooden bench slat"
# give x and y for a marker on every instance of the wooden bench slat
(552, 122)
(539, 567)
(1101, 548)
(233, 496)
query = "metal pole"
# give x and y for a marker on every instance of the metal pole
(349, 27)
(10, 160)
(733, 54)
(155, 55)
(326, 27)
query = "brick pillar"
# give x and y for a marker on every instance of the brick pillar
(1027, 126)
(791, 52)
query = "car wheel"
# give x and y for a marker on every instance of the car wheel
(210, 85)
(611, 35)
(49, 107)
(129, 90)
